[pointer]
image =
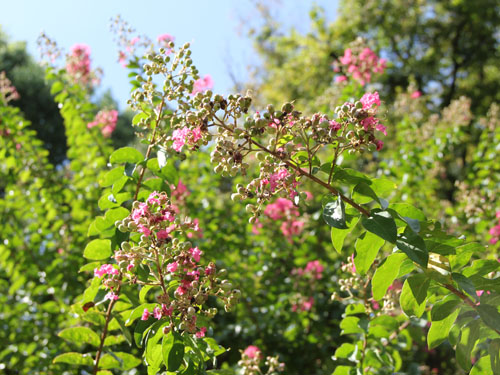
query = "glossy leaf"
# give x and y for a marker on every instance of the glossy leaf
(367, 247)
(414, 295)
(98, 249)
(386, 274)
(173, 351)
(382, 224)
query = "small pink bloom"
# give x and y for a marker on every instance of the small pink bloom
(111, 296)
(340, 79)
(252, 351)
(195, 253)
(166, 311)
(130, 266)
(172, 267)
(308, 304)
(369, 99)
(379, 144)
(157, 312)
(201, 332)
(416, 94)
(181, 290)
(144, 230)
(202, 84)
(165, 38)
(145, 315)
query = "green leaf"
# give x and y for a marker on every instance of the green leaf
(115, 214)
(56, 88)
(483, 366)
(355, 308)
(490, 315)
(440, 328)
(80, 335)
(111, 176)
(128, 361)
(413, 245)
(494, 350)
(137, 312)
(126, 155)
(139, 330)
(342, 370)
(173, 351)
(109, 361)
(414, 295)
(386, 274)
(339, 235)
(123, 328)
(74, 359)
(169, 172)
(367, 247)
(363, 193)
(350, 325)
(465, 284)
(466, 342)
(334, 213)
(382, 224)
(345, 350)
(97, 249)
(442, 309)
(463, 254)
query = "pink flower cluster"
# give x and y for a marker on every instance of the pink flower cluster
(78, 64)
(252, 351)
(108, 269)
(154, 216)
(7, 91)
(106, 120)
(360, 65)
(105, 269)
(164, 40)
(185, 135)
(304, 304)
(283, 209)
(370, 101)
(202, 84)
(495, 231)
(314, 270)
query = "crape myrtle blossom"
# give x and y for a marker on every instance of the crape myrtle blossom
(202, 84)
(162, 248)
(78, 64)
(495, 231)
(283, 210)
(305, 280)
(358, 62)
(7, 91)
(106, 120)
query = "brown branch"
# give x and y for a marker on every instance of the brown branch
(464, 298)
(105, 329)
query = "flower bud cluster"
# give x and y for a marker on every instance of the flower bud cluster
(362, 122)
(358, 62)
(251, 360)
(158, 247)
(128, 41)
(7, 91)
(285, 143)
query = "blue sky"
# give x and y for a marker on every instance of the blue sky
(213, 28)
